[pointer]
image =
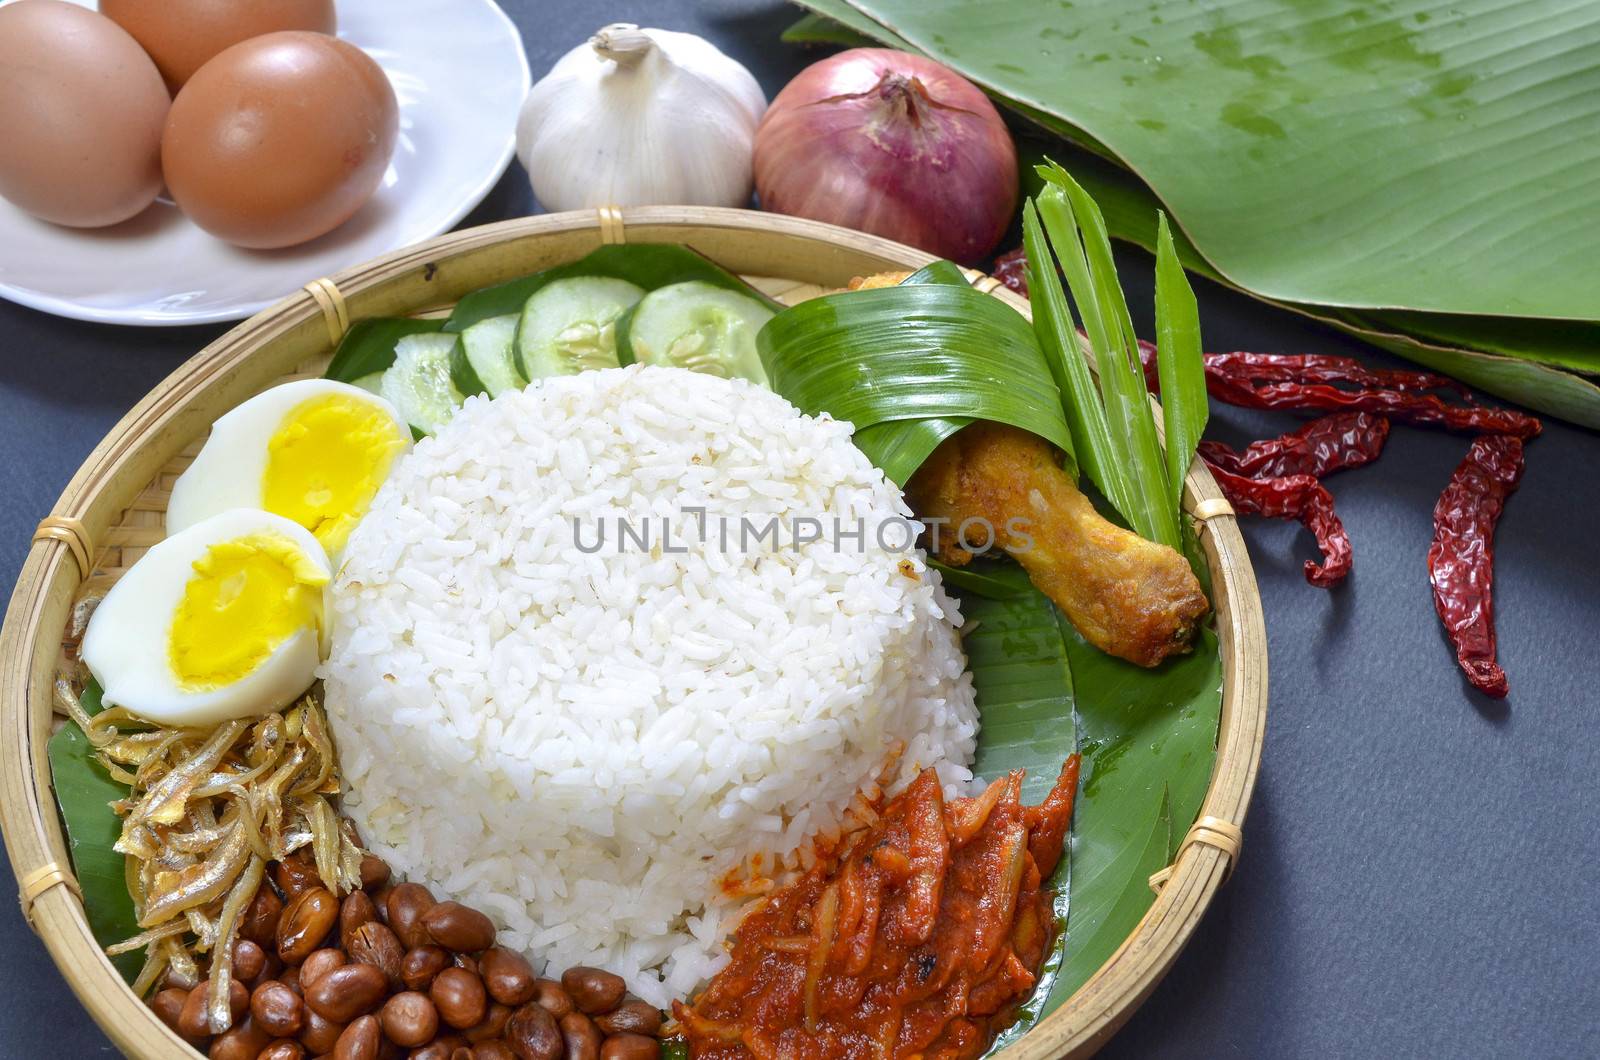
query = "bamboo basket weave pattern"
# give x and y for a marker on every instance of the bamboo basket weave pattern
(114, 509)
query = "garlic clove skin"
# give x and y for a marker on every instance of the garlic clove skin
(641, 117)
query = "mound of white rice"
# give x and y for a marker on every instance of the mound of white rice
(581, 743)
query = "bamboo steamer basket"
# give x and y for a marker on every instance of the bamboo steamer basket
(113, 510)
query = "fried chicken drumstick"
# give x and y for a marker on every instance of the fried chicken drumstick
(1129, 597)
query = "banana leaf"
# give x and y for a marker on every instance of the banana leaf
(1526, 376)
(1401, 156)
(1148, 740)
(84, 793)
(910, 365)
(1024, 690)
(819, 29)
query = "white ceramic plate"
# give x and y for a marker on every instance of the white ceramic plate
(460, 73)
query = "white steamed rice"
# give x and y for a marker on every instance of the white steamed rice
(582, 744)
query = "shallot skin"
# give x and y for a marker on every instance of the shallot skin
(892, 144)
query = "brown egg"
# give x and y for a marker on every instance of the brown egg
(81, 112)
(280, 139)
(181, 35)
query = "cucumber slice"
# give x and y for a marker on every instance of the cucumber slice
(488, 347)
(418, 385)
(701, 327)
(372, 384)
(570, 325)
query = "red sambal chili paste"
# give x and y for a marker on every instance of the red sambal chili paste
(919, 939)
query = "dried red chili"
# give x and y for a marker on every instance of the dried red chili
(1324, 368)
(1325, 445)
(1407, 406)
(1299, 497)
(1461, 559)
(1305, 368)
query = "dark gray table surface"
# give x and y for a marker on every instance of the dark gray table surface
(1419, 870)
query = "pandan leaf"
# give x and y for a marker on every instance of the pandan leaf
(1184, 405)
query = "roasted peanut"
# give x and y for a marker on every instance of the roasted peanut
(409, 1019)
(277, 1009)
(374, 944)
(444, 1047)
(305, 922)
(374, 872)
(249, 961)
(631, 1017)
(465, 960)
(458, 927)
(260, 921)
(493, 1025)
(360, 1040)
(494, 1050)
(296, 873)
(460, 997)
(168, 1004)
(346, 992)
(319, 1035)
(593, 989)
(243, 1042)
(319, 964)
(355, 910)
(630, 1047)
(421, 964)
(553, 997)
(533, 1035)
(406, 905)
(176, 980)
(581, 1036)
(507, 976)
(192, 1017)
(283, 1049)
(290, 977)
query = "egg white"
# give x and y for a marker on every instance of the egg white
(126, 644)
(232, 465)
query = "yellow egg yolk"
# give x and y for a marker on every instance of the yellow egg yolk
(326, 462)
(245, 598)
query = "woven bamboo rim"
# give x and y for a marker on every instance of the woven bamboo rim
(113, 510)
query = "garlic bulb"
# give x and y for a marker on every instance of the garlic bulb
(640, 117)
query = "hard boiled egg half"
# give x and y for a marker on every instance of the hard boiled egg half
(224, 620)
(314, 451)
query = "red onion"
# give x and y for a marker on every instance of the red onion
(893, 144)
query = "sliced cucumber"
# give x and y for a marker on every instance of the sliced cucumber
(488, 349)
(570, 325)
(418, 385)
(701, 327)
(372, 384)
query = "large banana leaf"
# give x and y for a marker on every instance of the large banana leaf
(1348, 153)
(1525, 376)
